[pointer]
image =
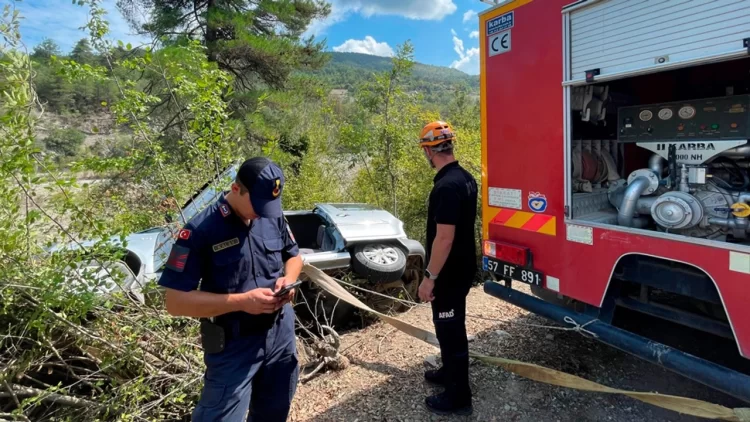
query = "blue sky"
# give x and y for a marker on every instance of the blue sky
(444, 32)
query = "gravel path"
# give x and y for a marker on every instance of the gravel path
(384, 381)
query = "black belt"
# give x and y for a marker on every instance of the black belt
(246, 324)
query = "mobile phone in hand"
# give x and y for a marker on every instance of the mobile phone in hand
(285, 290)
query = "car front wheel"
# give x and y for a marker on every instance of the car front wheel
(379, 263)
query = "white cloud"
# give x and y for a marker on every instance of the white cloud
(61, 21)
(366, 46)
(458, 45)
(474, 34)
(410, 9)
(319, 26)
(468, 60)
(469, 15)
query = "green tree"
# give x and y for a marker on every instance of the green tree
(65, 142)
(258, 41)
(380, 133)
(45, 49)
(52, 314)
(83, 53)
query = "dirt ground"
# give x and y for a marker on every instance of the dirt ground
(384, 381)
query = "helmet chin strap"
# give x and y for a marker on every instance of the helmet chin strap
(429, 159)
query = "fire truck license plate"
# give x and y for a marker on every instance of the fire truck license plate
(512, 271)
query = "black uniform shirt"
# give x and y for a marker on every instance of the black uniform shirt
(453, 201)
(217, 252)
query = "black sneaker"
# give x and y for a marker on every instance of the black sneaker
(443, 404)
(435, 376)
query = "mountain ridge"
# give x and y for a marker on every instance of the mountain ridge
(346, 70)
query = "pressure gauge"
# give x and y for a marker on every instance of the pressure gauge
(665, 113)
(646, 115)
(687, 112)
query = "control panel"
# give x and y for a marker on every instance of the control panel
(721, 118)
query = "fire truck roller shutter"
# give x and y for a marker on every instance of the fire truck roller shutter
(619, 37)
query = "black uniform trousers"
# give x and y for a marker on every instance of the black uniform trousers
(449, 316)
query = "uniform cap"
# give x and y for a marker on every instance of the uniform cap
(265, 181)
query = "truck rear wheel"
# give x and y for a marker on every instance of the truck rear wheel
(379, 263)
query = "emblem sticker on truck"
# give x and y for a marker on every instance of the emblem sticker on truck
(537, 202)
(500, 23)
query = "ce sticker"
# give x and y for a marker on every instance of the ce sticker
(500, 43)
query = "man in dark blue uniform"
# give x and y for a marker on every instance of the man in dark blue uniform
(452, 264)
(224, 268)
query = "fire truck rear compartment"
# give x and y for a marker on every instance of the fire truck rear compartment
(622, 173)
(665, 152)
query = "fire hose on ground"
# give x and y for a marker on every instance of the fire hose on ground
(538, 373)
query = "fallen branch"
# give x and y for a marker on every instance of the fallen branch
(388, 335)
(21, 391)
(12, 394)
(305, 378)
(13, 417)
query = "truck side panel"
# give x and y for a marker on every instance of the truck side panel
(523, 149)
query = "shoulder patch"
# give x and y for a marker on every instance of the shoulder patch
(227, 244)
(224, 209)
(184, 234)
(177, 258)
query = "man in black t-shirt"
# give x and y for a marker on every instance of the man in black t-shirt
(452, 264)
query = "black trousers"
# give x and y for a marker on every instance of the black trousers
(449, 316)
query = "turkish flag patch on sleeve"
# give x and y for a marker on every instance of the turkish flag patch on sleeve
(184, 234)
(178, 258)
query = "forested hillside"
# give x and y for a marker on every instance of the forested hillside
(348, 70)
(341, 71)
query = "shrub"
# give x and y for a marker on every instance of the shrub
(65, 142)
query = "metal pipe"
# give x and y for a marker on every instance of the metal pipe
(656, 164)
(643, 205)
(684, 186)
(629, 200)
(738, 225)
(724, 222)
(700, 370)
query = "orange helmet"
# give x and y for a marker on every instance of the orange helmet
(436, 133)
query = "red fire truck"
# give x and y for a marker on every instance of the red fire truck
(616, 174)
